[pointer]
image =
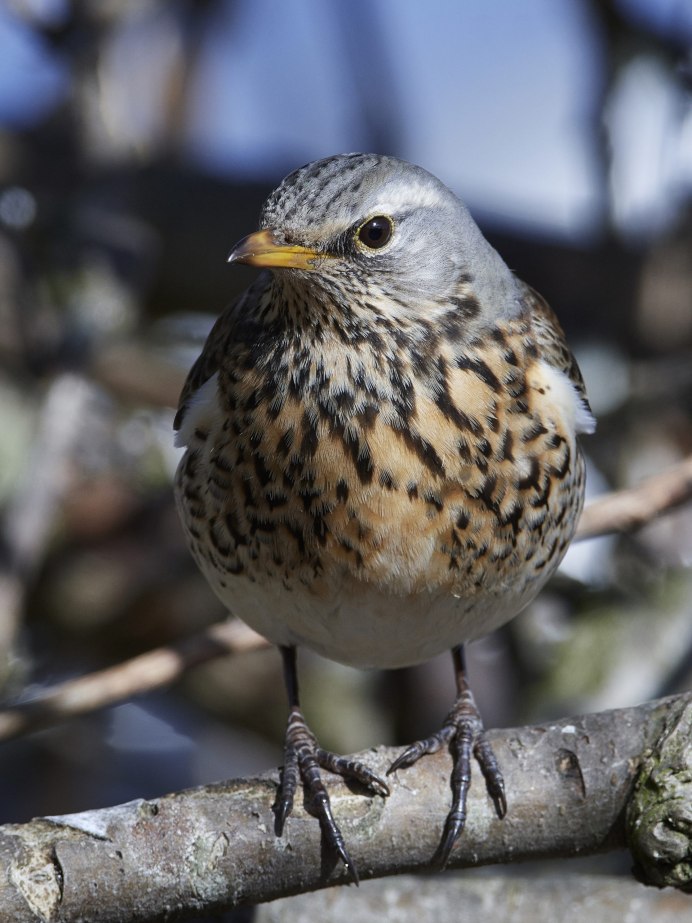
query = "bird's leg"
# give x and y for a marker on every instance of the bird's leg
(303, 759)
(463, 732)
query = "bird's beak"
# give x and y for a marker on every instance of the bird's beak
(264, 249)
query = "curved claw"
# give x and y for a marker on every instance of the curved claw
(454, 826)
(352, 769)
(414, 752)
(334, 837)
(287, 789)
(463, 731)
(494, 782)
(282, 808)
(407, 758)
(302, 763)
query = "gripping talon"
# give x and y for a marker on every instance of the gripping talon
(352, 769)
(281, 811)
(414, 752)
(334, 837)
(303, 759)
(494, 782)
(287, 789)
(463, 732)
(453, 829)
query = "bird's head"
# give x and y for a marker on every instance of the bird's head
(370, 232)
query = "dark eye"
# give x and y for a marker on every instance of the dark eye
(376, 232)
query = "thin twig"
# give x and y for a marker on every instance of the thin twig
(630, 509)
(141, 674)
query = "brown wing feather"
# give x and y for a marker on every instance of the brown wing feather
(206, 365)
(552, 343)
(209, 360)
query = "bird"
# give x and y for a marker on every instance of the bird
(381, 458)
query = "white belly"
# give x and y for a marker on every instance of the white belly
(364, 628)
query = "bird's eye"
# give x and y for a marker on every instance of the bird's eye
(376, 232)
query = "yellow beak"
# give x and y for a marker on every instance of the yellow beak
(263, 249)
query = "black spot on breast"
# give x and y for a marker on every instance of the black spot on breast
(264, 475)
(484, 447)
(284, 444)
(480, 368)
(364, 465)
(219, 545)
(511, 516)
(433, 499)
(252, 401)
(297, 384)
(276, 499)
(463, 519)
(467, 307)
(261, 524)
(367, 416)
(541, 497)
(275, 406)
(504, 452)
(386, 479)
(448, 408)
(319, 528)
(220, 461)
(234, 530)
(423, 450)
(486, 492)
(344, 402)
(533, 432)
(561, 470)
(532, 478)
(511, 357)
(308, 444)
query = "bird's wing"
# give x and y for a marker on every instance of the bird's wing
(553, 347)
(205, 366)
(209, 360)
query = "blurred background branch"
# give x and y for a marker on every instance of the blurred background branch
(630, 509)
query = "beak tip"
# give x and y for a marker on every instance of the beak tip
(238, 254)
(267, 249)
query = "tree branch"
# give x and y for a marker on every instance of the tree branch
(214, 848)
(630, 509)
(141, 674)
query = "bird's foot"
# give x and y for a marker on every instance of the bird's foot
(464, 733)
(303, 759)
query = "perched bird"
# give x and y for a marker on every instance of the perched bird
(381, 455)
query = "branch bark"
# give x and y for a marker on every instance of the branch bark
(214, 848)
